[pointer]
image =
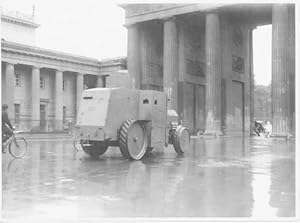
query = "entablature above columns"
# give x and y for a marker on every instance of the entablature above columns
(165, 12)
(28, 57)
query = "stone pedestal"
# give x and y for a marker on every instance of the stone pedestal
(59, 100)
(35, 97)
(9, 88)
(79, 90)
(280, 71)
(213, 74)
(133, 56)
(170, 65)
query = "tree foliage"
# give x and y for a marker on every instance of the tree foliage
(262, 102)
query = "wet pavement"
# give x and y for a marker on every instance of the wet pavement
(225, 177)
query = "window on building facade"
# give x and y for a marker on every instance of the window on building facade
(42, 82)
(17, 113)
(18, 80)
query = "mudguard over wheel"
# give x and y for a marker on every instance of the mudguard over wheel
(181, 139)
(133, 139)
(95, 149)
(18, 147)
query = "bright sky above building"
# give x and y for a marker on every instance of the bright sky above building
(95, 29)
(262, 54)
(89, 28)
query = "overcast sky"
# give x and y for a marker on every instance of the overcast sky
(94, 28)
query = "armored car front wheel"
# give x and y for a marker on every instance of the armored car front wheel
(94, 149)
(181, 140)
(133, 140)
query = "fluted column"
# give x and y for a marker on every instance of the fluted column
(213, 74)
(292, 64)
(280, 71)
(58, 99)
(9, 89)
(251, 84)
(133, 56)
(170, 64)
(79, 90)
(35, 96)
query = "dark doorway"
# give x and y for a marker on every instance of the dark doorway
(194, 107)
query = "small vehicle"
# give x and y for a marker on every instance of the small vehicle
(17, 146)
(135, 120)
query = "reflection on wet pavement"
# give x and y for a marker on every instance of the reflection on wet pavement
(225, 177)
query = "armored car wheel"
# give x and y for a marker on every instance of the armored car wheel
(181, 140)
(95, 149)
(133, 140)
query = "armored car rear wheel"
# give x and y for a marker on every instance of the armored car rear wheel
(181, 140)
(95, 149)
(133, 140)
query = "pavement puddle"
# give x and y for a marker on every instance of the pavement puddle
(66, 180)
(110, 198)
(221, 164)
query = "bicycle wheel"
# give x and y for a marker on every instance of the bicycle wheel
(77, 144)
(18, 147)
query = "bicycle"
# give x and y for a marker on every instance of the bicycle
(17, 145)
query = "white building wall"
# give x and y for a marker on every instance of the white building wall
(18, 33)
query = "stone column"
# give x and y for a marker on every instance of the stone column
(133, 56)
(251, 82)
(170, 64)
(35, 97)
(280, 71)
(292, 64)
(79, 90)
(101, 81)
(9, 88)
(213, 74)
(58, 99)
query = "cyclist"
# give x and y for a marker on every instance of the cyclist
(7, 128)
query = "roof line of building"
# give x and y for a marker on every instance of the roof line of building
(24, 22)
(37, 51)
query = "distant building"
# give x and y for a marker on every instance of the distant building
(43, 87)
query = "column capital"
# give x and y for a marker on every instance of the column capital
(10, 63)
(169, 18)
(131, 25)
(59, 70)
(212, 11)
(36, 67)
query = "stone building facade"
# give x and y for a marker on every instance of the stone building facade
(202, 56)
(43, 87)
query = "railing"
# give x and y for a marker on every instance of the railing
(40, 126)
